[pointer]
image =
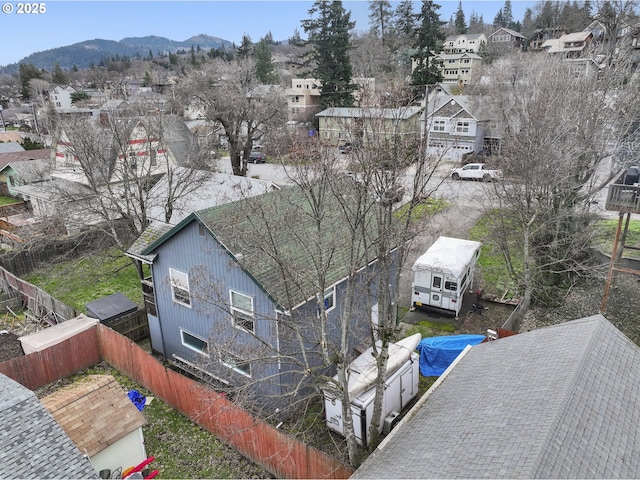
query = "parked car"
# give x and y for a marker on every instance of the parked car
(476, 171)
(257, 157)
(345, 147)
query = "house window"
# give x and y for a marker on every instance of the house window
(295, 99)
(466, 60)
(438, 125)
(462, 127)
(330, 299)
(180, 287)
(153, 154)
(242, 311)
(235, 363)
(133, 160)
(194, 342)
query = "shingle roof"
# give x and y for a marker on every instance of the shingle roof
(32, 444)
(558, 402)
(11, 147)
(95, 412)
(32, 171)
(353, 112)
(276, 254)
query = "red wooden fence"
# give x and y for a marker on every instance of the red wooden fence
(281, 455)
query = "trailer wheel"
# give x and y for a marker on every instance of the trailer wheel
(455, 176)
(486, 177)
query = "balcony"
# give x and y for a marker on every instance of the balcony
(624, 194)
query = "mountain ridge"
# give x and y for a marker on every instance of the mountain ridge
(87, 52)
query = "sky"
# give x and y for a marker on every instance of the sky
(67, 22)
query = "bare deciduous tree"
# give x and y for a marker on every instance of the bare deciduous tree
(104, 170)
(228, 93)
(563, 125)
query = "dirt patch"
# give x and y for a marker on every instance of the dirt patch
(10, 347)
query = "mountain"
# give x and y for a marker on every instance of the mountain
(85, 53)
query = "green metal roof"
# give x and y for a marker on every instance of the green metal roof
(282, 244)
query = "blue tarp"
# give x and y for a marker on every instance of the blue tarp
(437, 353)
(137, 398)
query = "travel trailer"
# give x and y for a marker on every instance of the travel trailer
(401, 386)
(443, 273)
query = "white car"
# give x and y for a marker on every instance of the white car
(476, 171)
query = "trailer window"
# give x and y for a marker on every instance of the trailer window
(437, 282)
(453, 286)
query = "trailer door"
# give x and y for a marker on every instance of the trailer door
(436, 288)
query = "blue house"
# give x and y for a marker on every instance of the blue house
(252, 293)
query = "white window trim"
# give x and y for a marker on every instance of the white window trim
(175, 284)
(463, 126)
(330, 292)
(233, 366)
(203, 352)
(241, 311)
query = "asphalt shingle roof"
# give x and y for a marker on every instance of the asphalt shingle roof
(32, 444)
(95, 412)
(558, 402)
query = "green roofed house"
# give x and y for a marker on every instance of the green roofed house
(236, 297)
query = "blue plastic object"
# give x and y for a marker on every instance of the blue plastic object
(137, 398)
(437, 353)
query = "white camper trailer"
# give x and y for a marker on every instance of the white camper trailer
(401, 386)
(443, 273)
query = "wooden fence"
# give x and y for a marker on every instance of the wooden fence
(267, 446)
(39, 302)
(134, 325)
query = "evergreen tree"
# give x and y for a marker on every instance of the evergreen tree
(498, 20)
(328, 34)
(269, 38)
(150, 57)
(192, 54)
(74, 68)
(295, 39)
(428, 43)
(58, 77)
(507, 14)
(28, 71)
(245, 48)
(147, 82)
(265, 70)
(404, 26)
(380, 17)
(460, 23)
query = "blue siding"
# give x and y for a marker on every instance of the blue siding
(211, 269)
(201, 256)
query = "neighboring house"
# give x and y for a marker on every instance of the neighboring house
(11, 147)
(457, 68)
(32, 444)
(455, 128)
(571, 45)
(70, 192)
(303, 99)
(557, 402)
(506, 38)
(115, 105)
(16, 174)
(541, 35)
(101, 420)
(339, 124)
(467, 43)
(227, 303)
(214, 189)
(60, 96)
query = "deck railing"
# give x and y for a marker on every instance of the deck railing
(623, 198)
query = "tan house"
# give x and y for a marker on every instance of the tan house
(507, 39)
(303, 99)
(570, 45)
(355, 125)
(464, 43)
(101, 420)
(457, 67)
